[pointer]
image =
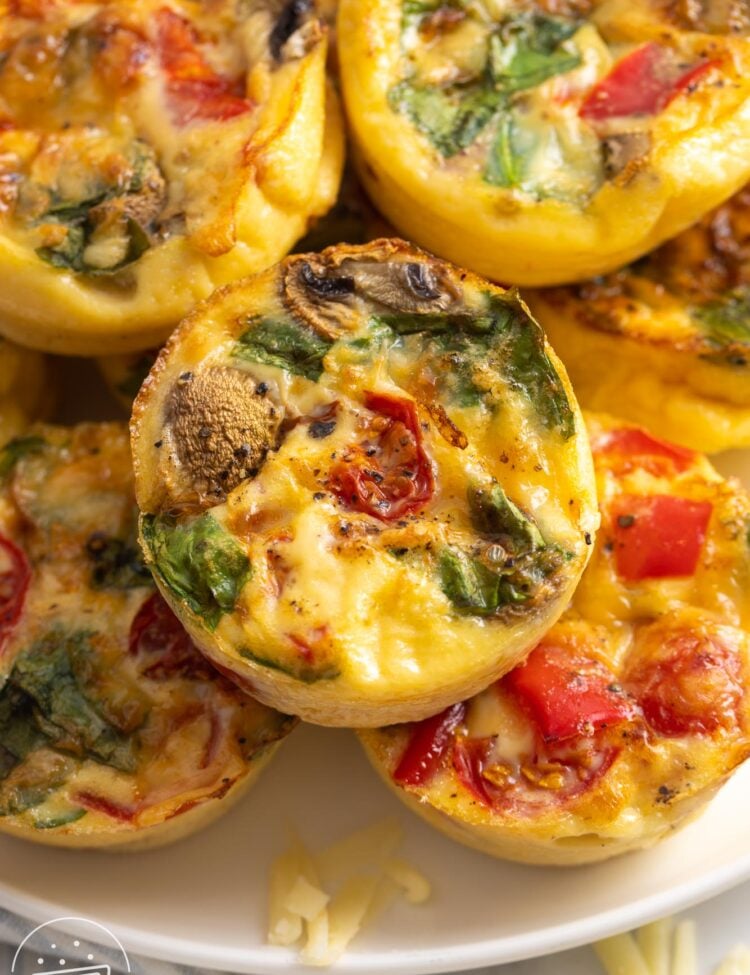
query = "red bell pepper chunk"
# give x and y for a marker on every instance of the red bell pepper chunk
(194, 89)
(694, 686)
(644, 82)
(14, 583)
(566, 694)
(658, 536)
(631, 447)
(158, 637)
(428, 743)
(89, 800)
(389, 474)
(469, 758)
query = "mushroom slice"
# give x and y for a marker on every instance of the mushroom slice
(221, 425)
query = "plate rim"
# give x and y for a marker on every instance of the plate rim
(269, 960)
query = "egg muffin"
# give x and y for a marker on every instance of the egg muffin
(353, 463)
(125, 373)
(541, 142)
(26, 388)
(150, 152)
(666, 341)
(114, 729)
(634, 708)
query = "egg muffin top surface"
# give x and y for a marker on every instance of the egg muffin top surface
(666, 340)
(542, 142)
(634, 707)
(112, 724)
(354, 464)
(149, 152)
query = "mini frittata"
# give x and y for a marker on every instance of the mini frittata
(634, 708)
(666, 341)
(544, 141)
(354, 464)
(149, 152)
(114, 729)
(26, 388)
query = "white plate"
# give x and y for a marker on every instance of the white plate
(203, 901)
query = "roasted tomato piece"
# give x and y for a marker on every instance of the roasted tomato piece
(687, 682)
(658, 536)
(644, 82)
(428, 744)
(15, 574)
(194, 89)
(158, 636)
(629, 448)
(567, 694)
(389, 473)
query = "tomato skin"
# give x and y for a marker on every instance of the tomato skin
(195, 91)
(429, 742)
(469, 757)
(567, 695)
(691, 685)
(157, 635)
(642, 83)
(658, 536)
(14, 584)
(125, 814)
(630, 448)
(389, 475)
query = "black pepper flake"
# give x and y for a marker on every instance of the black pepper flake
(587, 538)
(319, 495)
(625, 521)
(204, 433)
(319, 429)
(185, 377)
(158, 444)
(261, 389)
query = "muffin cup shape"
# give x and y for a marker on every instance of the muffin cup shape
(537, 143)
(184, 149)
(634, 708)
(114, 730)
(666, 342)
(351, 465)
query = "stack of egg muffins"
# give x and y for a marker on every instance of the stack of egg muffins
(357, 488)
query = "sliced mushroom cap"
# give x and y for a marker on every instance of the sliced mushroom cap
(333, 289)
(221, 426)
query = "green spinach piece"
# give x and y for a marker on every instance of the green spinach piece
(70, 254)
(726, 321)
(71, 815)
(506, 162)
(305, 672)
(17, 448)
(19, 733)
(494, 514)
(438, 323)
(285, 344)
(63, 711)
(115, 563)
(527, 50)
(451, 118)
(200, 562)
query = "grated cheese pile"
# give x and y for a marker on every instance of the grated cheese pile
(664, 948)
(320, 902)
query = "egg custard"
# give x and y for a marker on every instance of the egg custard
(26, 388)
(634, 708)
(540, 142)
(149, 152)
(114, 730)
(666, 341)
(353, 464)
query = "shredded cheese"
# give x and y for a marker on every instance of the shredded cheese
(620, 955)
(737, 962)
(322, 901)
(654, 941)
(684, 950)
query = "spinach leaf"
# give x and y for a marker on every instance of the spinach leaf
(285, 344)
(438, 323)
(116, 564)
(200, 562)
(15, 449)
(506, 162)
(494, 514)
(19, 733)
(472, 586)
(451, 118)
(63, 712)
(526, 51)
(726, 321)
(69, 255)
(302, 671)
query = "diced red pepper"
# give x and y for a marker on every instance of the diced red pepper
(158, 636)
(644, 82)
(632, 447)
(658, 536)
(428, 744)
(14, 583)
(389, 474)
(691, 685)
(566, 694)
(195, 91)
(469, 758)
